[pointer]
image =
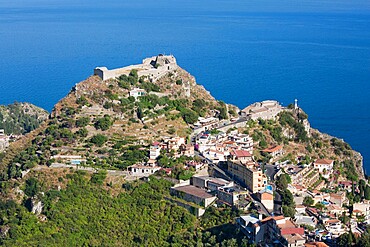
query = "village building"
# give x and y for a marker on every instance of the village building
(297, 189)
(324, 165)
(316, 244)
(205, 124)
(210, 183)
(274, 151)
(173, 143)
(244, 141)
(196, 165)
(338, 198)
(250, 174)
(233, 196)
(154, 150)
(300, 209)
(302, 220)
(276, 230)
(347, 185)
(186, 150)
(285, 231)
(334, 226)
(337, 210)
(141, 170)
(362, 209)
(4, 140)
(137, 92)
(214, 155)
(252, 228)
(267, 109)
(240, 156)
(193, 194)
(266, 197)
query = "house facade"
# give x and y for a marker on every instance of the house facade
(249, 174)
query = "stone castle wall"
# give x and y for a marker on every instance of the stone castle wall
(153, 67)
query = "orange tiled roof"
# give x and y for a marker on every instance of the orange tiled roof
(272, 149)
(241, 153)
(324, 161)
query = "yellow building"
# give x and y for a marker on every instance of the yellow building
(250, 174)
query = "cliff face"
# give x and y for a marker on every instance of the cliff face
(350, 159)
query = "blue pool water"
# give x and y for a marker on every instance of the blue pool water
(241, 51)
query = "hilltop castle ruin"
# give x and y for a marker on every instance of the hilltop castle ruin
(152, 67)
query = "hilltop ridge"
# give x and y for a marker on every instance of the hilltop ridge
(137, 106)
(135, 122)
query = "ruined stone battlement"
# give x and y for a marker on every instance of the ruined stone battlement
(152, 67)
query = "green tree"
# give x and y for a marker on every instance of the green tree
(308, 201)
(287, 198)
(367, 192)
(99, 139)
(103, 123)
(32, 187)
(189, 116)
(82, 121)
(282, 181)
(99, 177)
(288, 211)
(83, 132)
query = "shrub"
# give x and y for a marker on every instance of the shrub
(99, 140)
(32, 187)
(103, 123)
(99, 177)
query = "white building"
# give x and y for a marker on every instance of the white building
(143, 170)
(324, 165)
(4, 140)
(154, 151)
(136, 92)
(267, 109)
(363, 209)
(244, 141)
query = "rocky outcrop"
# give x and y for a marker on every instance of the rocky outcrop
(37, 206)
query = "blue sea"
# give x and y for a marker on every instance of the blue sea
(242, 51)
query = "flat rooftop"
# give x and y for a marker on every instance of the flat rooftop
(192, 190)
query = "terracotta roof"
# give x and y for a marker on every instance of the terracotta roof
(241, 153)
(299, 187)
(296, 230)
(275, 218)
(316, 244)
(293, 238)
(332, 221)
(324, 161)
(337, 196)
(334, 207)
(272, 149)
(346, 183)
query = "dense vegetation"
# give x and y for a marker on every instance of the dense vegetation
(21, 118)
(85, 214)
